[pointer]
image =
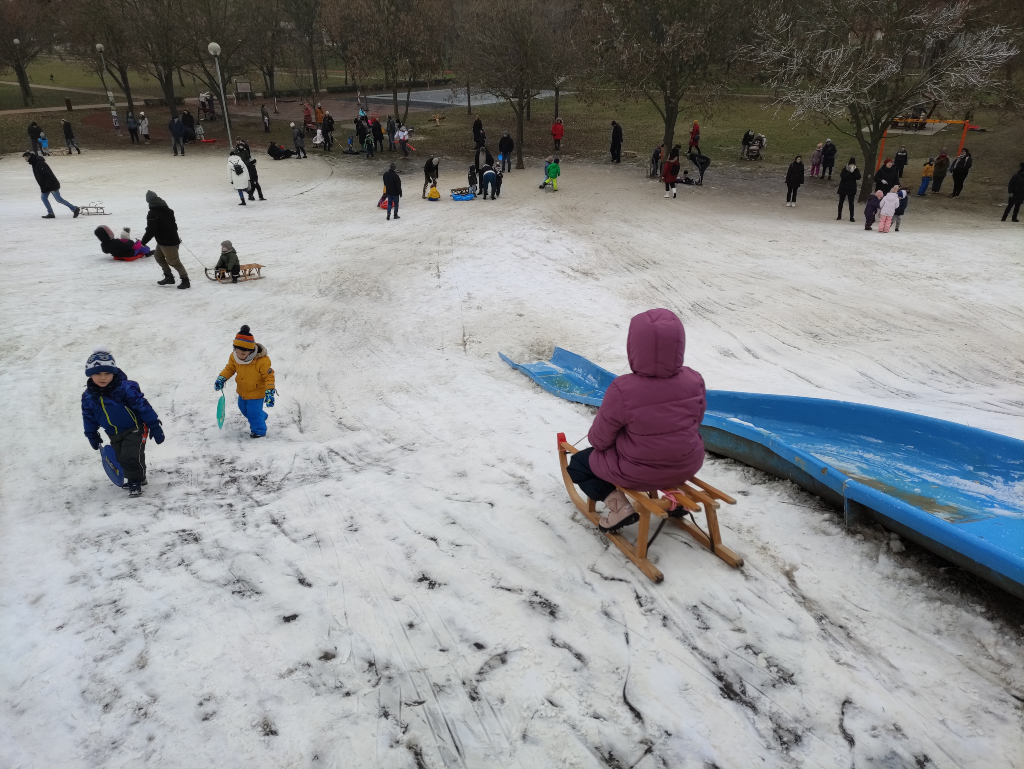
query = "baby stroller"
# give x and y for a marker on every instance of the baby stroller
(702, 162)
(318, 140)
(755, 149)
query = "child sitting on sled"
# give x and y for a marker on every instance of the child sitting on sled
(115, 403)
(646, 433)
(228, 261)
(254, 380)
(433, 194)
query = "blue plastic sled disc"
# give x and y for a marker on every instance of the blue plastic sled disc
(111, 466)
(220, 412)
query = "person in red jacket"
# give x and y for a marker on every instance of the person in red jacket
(557, 132)
(670, 172)
(646, 433)
(694, 139)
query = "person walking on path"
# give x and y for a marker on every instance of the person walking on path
(816, 161)
(828, 158)
(160, 224)
(238, 174)
(926, 177)
(34, 132)
(392, 189)
(886, 177)
(378, 135)
(506, 145)
(941, 169)
(1015, 189)
(694, 139)
(901, 160)
(959, 168)
(328, 131)
(557, 132)
(177, 129)
(299, 138)
(144, 126)
(616, 147)
(871, 208)
(48, 184)
(133, 127)
(478, 128)
(887, 208)
(265, 118)
(794, 178)
(403, 140)
(391, 133)
(69, 136)
(254, 179)
(431, 170)
(670, 171)
(848, 179)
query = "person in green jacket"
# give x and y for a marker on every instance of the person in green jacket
(940, 170)
(228, 261)
(551, 172)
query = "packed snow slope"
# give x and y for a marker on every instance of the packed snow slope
(395, 577)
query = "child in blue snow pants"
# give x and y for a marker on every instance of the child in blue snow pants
(253, 411)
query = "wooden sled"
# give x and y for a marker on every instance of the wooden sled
(245, 272)
(690, 497)
(93, 209)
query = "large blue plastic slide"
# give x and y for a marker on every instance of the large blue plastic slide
(956, 490)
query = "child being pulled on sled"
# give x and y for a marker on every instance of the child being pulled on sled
(115, 403)
(254, 380)
(552, 170)
(646, 433)
(228, 261)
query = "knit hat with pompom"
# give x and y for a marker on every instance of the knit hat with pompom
(100, 362)
(244, 339)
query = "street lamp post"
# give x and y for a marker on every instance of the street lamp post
(214, 50)
(110, 94)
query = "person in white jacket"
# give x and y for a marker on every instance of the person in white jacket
(239, 174)
(887, 208)
(144, 126)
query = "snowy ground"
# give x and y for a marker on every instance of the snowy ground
(395, 577)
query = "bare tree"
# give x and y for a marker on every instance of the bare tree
(225, 22)
(268, 40)
(86, 23)
(25, 22)
(509, 50)
(673, 53)
(158, 32)
(858, 64)
(307, 18)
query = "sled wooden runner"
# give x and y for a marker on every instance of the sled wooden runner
(690, 498)
(245, 272)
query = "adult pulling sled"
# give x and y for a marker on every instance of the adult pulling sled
(669, 505)
(245, 272)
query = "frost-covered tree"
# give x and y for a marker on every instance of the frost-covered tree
(862, 63)
(673, 53)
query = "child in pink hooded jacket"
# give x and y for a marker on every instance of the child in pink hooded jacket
(646, 433)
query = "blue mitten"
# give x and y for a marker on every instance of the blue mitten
(268, 398)
(157, 432)
(219, 384)
(94, 440)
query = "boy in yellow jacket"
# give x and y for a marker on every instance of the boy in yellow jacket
(254, 380)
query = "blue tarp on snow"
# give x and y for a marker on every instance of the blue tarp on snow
(956, 490)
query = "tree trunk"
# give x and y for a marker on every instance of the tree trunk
(181, 82)
(529, 103)
(26, 89)
(124, 85)
(671, 115)
(313, 70)
(270, 76)
(346, 72)
(870, 149)
(556, 101)
(520, 126)
(469, 101)
(166, 79)
(394, 96)
(408, 95)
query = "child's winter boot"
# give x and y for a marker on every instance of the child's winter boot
(620, 512)
(134, 489)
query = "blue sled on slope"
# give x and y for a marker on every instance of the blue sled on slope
(956, 490)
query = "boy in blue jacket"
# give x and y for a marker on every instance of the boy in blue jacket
(115, 403)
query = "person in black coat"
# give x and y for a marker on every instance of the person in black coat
(506, 145)
(48, 184)
(886, 177)
(33, 136)
(378, 135)
(177, 129)
(360, 131)
(483, 158)
(901, 160)
(161, 224)
(328, 129)
(794, 178)
(278, 152)
(392, 189)
(616, 147)
(69, 136)
(959, 169)
(1016, 191)
(848, 179)
(828, 158)
(478, 128)
(254, 178)
(431, 171)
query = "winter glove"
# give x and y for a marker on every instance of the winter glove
(268, 398)
(94, 440)
(157, 432)
(219, 384)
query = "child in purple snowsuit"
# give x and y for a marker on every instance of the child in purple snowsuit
(871, 209)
